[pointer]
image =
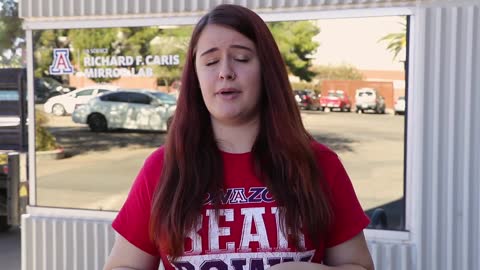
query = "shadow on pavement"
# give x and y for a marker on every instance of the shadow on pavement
(334, 141)
(78, 140)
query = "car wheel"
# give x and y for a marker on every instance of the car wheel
(58, 110)
(97, 122)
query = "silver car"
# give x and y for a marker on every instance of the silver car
(127, 109)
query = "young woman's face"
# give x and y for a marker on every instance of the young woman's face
(228, 70)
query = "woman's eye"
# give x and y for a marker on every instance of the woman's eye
(209, 63)
(242, 59)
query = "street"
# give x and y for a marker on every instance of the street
(100, 167)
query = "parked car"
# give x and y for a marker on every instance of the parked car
(65, 104)
(399, 105)
(127, 109)
(307, 99)
(369, 99)
(336, 100)
(46, 88)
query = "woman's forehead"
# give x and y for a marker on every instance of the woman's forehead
(214, 35)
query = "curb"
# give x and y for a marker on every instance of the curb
(50, 155)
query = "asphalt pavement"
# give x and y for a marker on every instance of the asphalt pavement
(10, 249)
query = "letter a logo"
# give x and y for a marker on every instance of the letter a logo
(61, 63)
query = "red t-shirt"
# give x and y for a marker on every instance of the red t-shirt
(246, 235)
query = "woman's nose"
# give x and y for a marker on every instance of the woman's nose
(227, 75)
(226, 72)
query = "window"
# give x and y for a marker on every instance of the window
(368, 136)
(102, 91)
(87, 92)
(115, 97)
(138, 98)
(166, 98)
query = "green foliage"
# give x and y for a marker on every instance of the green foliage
(294, 40)
(44, 140)
(44, 42)
(396, 41)
(172, 41)
(111, 39)
(341, 72)
(11, 34)
(305, 85)
(3, 158)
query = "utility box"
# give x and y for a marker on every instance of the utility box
(13, 110)
(13, 146)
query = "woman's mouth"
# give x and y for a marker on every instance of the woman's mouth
(228, 93)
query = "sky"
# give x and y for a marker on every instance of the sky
(355, 41)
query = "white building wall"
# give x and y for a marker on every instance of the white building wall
(448, 77)
(443, 131)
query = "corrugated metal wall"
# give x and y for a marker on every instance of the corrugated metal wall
(84, 244)
(65, 243)
(72, 8)
(445, 82)
(449, 79)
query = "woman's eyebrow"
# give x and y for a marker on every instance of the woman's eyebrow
(209, 51)
(235, 46)
(241, 47)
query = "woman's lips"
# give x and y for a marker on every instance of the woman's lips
(228, 93)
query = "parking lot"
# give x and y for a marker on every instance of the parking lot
(100, 167)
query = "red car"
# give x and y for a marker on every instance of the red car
(336, 99)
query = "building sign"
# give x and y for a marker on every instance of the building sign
(106, 66)
(61, 62)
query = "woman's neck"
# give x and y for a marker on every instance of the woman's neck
(236, 138)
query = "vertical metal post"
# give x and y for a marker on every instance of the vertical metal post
(31, 120)
(13, 215)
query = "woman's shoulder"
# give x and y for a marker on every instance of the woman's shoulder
(327, 159)
(152, 167)
(156, 156)
(322, 150)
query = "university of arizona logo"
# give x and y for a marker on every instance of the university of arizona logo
(61, 63)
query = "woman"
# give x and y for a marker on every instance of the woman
(239, 184)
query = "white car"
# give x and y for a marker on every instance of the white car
(369, 99)
(127, 109)
(400, 105)
(65, 104)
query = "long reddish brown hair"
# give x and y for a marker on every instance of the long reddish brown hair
(282, 153)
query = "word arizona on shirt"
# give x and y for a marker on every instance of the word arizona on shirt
(247, 233)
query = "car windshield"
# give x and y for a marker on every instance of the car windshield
(51, 82)
(365, 93)
(335, 94)
(166, 98)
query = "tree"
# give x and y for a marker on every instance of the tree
(396, 41)
(44, 41)
(172, 41)
(296, 45)
(12, 36)
(341, 72)
(82, 40)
